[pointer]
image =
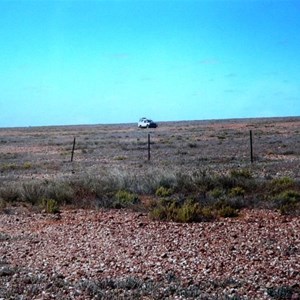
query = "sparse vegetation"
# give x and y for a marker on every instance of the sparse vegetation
(288, 202)
(125, 199)
(198, 172)
(49, 205)
(284, 292)
(163, 192)
(212, 195)
(111, 167)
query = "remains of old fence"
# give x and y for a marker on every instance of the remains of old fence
(149, 154)
(73, 149)
(251, 147)
(149, 147)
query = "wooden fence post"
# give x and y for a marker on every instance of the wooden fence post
(149, 155)
(251, 147)
(73, 149)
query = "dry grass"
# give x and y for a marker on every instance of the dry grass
(208, 161)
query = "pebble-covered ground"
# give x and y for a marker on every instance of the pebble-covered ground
(115, 254)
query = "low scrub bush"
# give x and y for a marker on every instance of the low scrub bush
(61, 192)
(49, 205)
(27, 165)
(181, 211)
(288, 202)
(163, 192)
(180, 197)
(227, 212)
(216, 193)
(225, 208)
(278, 185)
(284, 292)
(124, 199)
(184, 183)
(8, 167)
(241, 173)
(3, 204)
(10, 193)
(188, 212)
(32, 192)
(237, 191)
(197, 182)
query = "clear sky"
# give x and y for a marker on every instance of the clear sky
(114, 61)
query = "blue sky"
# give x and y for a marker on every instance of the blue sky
(114, 61)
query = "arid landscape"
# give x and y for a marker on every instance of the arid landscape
(193, 218)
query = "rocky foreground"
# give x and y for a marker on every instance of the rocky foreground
(84, 254)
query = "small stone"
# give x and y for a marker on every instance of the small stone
(6, 271)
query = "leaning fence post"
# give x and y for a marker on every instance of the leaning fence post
(73, 149)
(149, 146)
(251, 147)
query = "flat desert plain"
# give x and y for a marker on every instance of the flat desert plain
(124, 254)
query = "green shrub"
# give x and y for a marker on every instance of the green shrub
(288, 202)
(225, 209)
(50, 205)
(27, 165)
(120, 158)
(188, 212)
(241, 173)
(289, 196)
(237, 191)
(216, 193)
(8, 167)
(290, 209)
(280, 184)
(163, 192)
(207, 214)
(178, 211)
(159, 213)
(166, 209)
(227, 212)
(125, 199)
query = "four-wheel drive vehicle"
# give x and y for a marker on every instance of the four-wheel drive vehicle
(146, 123)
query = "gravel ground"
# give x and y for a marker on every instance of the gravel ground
(115, 254)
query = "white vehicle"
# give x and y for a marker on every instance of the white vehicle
(146, 123)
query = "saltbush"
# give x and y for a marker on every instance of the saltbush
(181, 211)
(163, 192)
(61, 192)
(10, 193)
(32, 192)
(237, 191)
(125, 199)
(241, 173)
(216, 193)
(49, 205)
(280, 184)
(227, 212)
(288, 202)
